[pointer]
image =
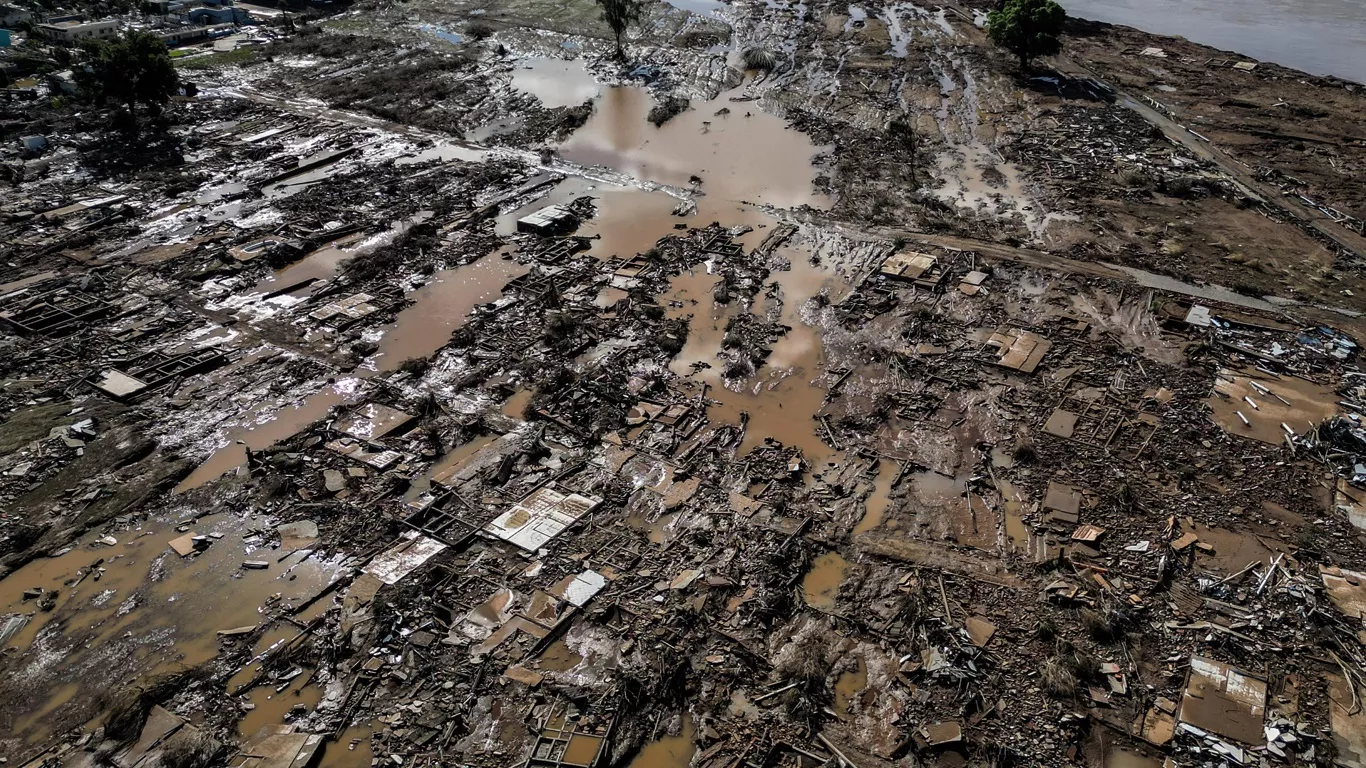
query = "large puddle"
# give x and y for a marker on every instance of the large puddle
(135, 607)
(669, 751)
(849, 685)
(738, 151)
(555, 82)
(722, 157)
(875, 506)
(821, 585)
(267, 424)
(629, 220)
(779, 398)
(439, 308)
(350, 750)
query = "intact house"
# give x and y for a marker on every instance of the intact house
(70, 32)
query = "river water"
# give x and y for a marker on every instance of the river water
(1322, 37)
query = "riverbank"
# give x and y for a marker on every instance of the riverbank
(1319, 37)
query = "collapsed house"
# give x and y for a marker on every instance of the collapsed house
(370, 451)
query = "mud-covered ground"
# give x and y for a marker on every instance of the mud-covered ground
(865, 401)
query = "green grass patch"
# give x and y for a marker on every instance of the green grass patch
(354, 26)
(219, 59)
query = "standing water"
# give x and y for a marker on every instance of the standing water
(821, 585)
(555, 82)
(1322, 37)
(738, 151)
(741, 155)
(669, 751)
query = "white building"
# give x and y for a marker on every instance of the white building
(76, 31)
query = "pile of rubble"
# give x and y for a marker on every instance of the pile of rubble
(334, 442)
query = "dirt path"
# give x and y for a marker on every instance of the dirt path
(1206, 150)
(1051, 261)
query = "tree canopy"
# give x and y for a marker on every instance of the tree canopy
(1027, 28)
(132, 71)
(619, 14)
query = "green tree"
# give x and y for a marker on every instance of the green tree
(618, 14)
(132, 71)
(1027, 28)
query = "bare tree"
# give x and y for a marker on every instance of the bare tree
(619, 14)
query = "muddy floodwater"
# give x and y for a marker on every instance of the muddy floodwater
(669, 751)
(1324, 37)
(268, 424)
(141, 608)
(849, 685)
(821, 586)
(780, 400)
(738, 151)
(629, 219)
(439, 308)
(875, 506)
(555, 82)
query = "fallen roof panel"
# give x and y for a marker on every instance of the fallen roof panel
(540, 517)
(391, 565)
(1224, 700)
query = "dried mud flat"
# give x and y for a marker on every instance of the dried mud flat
(434, 406)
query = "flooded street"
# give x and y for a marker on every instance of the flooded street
(438, 308)
(420, 330)
(135, 608)
(268, 424)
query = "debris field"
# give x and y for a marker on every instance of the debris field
(485, 400)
